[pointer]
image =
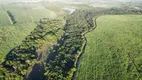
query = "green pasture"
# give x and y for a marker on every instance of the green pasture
(4, 20)
(114, 49)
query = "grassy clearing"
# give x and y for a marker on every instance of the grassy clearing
(114, 49)
(18, 12)
(25, 13)
(3, 18)
(38, 11)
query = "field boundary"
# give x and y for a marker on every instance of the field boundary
(11, 22)
(28, 14)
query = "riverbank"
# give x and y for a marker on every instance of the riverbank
(78, 58)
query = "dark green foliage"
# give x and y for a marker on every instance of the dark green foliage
(61, 66)
(19, 59)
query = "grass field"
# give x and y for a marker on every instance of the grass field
(24, 13)
(38, 11)
(3, 18)
(18, 12)
(114, 49)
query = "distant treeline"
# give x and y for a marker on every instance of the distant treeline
(11, 17)
(114, 11)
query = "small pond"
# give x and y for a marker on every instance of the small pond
(69, 9)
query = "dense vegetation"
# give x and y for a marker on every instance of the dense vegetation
(12, 35)
(19, 59)
(63, 64)
(113, 50)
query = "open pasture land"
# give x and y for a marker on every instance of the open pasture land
(114, 49)
(38, 11)
(4, 20)
(19, 13)
(24, 13)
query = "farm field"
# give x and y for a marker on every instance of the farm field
(3, 18)
(19, 13)
(113, 51)
(24, 13)
(39, 12)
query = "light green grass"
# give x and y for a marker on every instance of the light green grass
(24, 13)
(38, 11)
(18, 12)
(3, 18)
(114, 49)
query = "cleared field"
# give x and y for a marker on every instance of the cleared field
(25, 13)
(3, 18)
(38, 11)
(18, 12)
(114, 49)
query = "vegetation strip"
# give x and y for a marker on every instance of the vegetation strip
(83, 50)
(26, 55)
(63, 64)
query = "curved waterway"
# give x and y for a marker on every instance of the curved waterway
(83, 50)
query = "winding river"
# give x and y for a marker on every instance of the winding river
(83, 49)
